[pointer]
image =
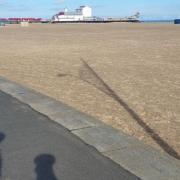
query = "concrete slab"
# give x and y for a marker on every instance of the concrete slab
(2, 79)
(105, 138)
(147, 163)
(74, 120)
(22, 93)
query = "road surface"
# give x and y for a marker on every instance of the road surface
(32, 147)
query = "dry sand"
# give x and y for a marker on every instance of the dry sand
(138, 63)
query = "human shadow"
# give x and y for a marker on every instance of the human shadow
(2, 137)
(44, 167)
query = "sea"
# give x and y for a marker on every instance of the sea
(158, 21)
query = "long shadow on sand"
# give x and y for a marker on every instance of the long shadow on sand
(44, 167)
(88, 75)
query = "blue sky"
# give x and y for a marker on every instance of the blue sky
(149, 9)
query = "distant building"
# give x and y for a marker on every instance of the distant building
(18, 20)
(81, 14)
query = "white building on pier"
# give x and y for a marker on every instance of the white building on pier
(83, 13)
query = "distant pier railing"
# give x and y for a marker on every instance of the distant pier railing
(97, 21)
(19, 20)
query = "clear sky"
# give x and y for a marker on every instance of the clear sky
(149, 9)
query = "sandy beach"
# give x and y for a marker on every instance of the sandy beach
(126, 75)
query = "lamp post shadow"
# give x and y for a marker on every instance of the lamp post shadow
(44, 167)
(88, 75)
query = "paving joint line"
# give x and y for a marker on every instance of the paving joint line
(73, 130)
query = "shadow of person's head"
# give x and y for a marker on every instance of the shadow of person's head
(2, 136)
(44, 167)
(44, 160)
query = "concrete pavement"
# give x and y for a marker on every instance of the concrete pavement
(32, 147)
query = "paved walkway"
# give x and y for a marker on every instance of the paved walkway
(32, 147)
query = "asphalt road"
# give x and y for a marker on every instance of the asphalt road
(32, 147)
